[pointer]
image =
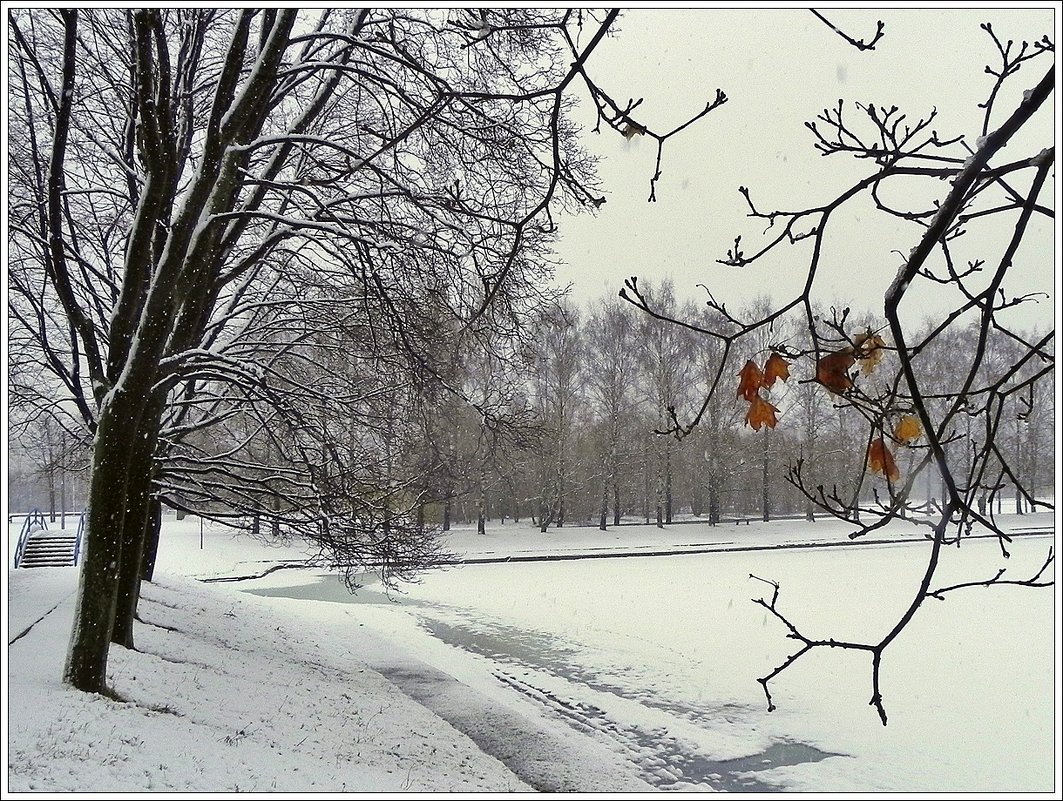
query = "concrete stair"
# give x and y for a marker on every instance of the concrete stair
(53, 549)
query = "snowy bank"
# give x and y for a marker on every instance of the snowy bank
(223, 694)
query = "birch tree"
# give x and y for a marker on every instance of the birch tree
(611, 372)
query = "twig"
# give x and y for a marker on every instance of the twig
(859, 44)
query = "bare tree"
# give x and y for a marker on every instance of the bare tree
(666, 357)
(878, 376)
(556, 387)
(611, 373)
(179, 164)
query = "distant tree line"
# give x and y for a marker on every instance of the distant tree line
(629, 376)
(569, 429)
(562, 426)
(602, 386)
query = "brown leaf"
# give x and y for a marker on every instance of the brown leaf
(749, 381)
(832, 371)
(760, 413)
(631, 129)
(776, 367)
(869, 351)
(908, 429)
(880, 460)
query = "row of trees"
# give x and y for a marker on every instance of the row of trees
(248, 247)
(603, 384)
(567, 430)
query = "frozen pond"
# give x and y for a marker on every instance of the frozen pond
(658, 658)
(664, 761)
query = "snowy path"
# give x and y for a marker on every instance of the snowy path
(519, 742)
(643, 722)
(664, 760)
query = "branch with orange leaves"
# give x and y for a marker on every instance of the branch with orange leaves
(923, 399)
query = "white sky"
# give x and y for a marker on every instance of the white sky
(780, 67)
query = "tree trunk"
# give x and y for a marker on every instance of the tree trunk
(658, 489)
(659, 499)
(51, 493)
(1018, 466)
(94, 615)
(561, 493)
(135, 531)
(137, 526)
(62, 496)
(713, 482)
(668, 484)
(697, 498)
(603, 512)
(481, 503)
(151, 541)
(714, 497)
(765, 496)
(275, 523)
(616, 503)
(930, 488)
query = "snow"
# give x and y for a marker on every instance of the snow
(231, 697)
(590, 674)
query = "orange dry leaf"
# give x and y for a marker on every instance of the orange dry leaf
(760, 413)
(869, 350)
(832, 371)
(880, 460)
(749, 381)
(908, 429)
(776, 367)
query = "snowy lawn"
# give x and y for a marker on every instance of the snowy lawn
(227, 697)
(625, 673)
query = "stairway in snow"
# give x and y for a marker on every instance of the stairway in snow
(49, 549)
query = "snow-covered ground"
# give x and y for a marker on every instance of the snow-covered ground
(607, 674)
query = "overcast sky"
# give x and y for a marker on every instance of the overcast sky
(779, 68)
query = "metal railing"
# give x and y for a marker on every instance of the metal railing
(80, 535)
(35, 521)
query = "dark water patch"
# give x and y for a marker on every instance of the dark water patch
(328, 587)
(739, 774)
